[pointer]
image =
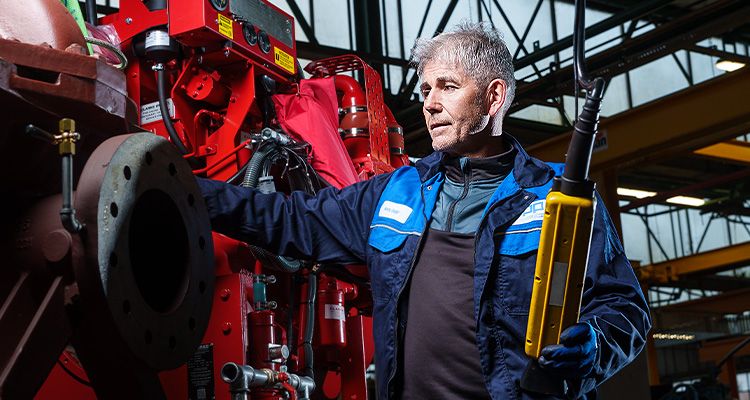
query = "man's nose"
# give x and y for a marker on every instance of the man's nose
(432, 102)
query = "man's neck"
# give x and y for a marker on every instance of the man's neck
(491, 146)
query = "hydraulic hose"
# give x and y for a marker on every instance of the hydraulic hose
(239, 175)
(312, 290)
(252, 175)
(286, 264)
(255, 166)
(290, 316)
(161, 84)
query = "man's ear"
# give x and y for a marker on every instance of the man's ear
(496, 96)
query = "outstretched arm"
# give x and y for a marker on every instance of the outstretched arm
(331, 226)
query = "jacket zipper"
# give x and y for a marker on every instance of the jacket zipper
(482, 224)
(451, 209)
(401, 290)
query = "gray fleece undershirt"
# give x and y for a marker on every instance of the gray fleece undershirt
(469, 184)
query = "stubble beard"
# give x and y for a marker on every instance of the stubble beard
(476, 121)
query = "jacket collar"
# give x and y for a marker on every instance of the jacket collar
(527, 171)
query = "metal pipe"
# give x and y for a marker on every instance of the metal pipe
(66, 141)
(67, 213)
(243, 377)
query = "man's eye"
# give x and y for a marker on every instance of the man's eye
(450, 87)
(425, 93)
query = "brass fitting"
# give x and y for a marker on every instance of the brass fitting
(67, 125)
(67, 137)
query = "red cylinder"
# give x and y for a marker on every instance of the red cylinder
(262, 333)
(395, 140)
(331, 319)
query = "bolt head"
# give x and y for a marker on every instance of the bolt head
(67, 125)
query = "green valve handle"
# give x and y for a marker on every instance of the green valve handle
(75, 10)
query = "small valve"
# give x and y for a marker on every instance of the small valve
(67, 137)
(66, 141)
(259, 292)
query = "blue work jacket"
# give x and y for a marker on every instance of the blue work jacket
(381, 221)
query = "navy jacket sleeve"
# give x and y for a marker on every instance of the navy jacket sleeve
(612, 303)
(332, 226)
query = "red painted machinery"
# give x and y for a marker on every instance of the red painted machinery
(148, 301)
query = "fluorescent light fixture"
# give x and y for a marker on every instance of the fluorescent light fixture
(673, 336)
(686, 201)
(639, 194)
(729, 66)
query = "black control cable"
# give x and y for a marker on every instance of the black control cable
(575, 180)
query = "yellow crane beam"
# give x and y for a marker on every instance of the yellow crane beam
(734, 151)
(714, 260)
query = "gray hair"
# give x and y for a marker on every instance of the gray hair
(477, 48)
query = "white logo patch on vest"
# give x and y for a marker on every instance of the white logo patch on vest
(399, 212)
(534, 212)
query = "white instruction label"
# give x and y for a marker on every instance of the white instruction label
(335, 311)
(157, 38)
(152, 112)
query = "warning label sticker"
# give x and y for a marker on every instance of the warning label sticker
(284, 60)
(152, 112)
(225, 26)
(201, 373)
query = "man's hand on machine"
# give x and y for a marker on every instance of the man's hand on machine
(574, 357)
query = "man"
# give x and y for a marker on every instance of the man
(451, 244)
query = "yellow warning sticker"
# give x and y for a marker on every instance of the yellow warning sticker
(284, 60)
(225, 26)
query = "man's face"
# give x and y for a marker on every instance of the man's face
(454, 109)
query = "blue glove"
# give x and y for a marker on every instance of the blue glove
(574, 357)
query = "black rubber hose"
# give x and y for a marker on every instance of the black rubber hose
(252, 175)
(290, 316)
(575, 180)
(285, 264)
(161, 84)
(312, 290)
(239, 175)
(717, 369)
(254, 167)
